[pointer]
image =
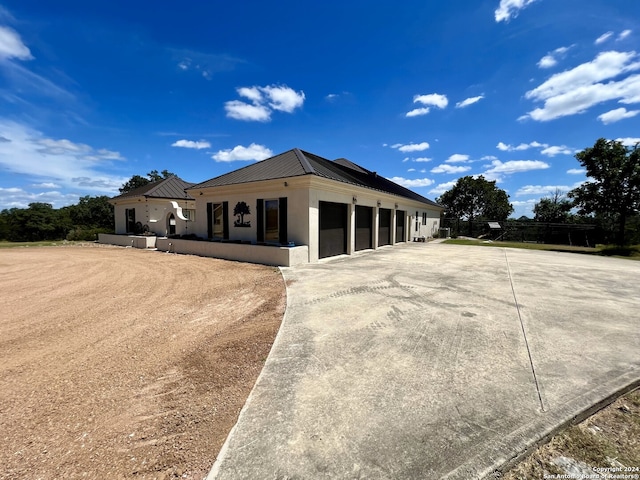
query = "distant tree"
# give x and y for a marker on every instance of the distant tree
(138, 181)
(472, 198)
(554, 209)
(612, 191)
(92, 212)
(241, 209)
(37, 222)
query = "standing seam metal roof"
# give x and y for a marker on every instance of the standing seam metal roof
(171, 187)
(295, 163)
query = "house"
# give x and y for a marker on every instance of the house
(162, 208)
(298, 198)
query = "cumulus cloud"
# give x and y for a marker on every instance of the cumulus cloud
(469, 101)
(264, 100)
(616, 115)
(11, 45)
(432, 99)
(411, 147)
(457, 158)
(252, 152)
(446, 168)
(422, 159)
(498, 168)
(576, 171)
(412, 183)
(552, 151)
(551, 58)
(442, 187)
(197, 145)
(416, 112)
(575, 91)
(523, 146)
(509, 9)
(629, 141)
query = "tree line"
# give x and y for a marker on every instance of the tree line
(82, 221)
(610, 198)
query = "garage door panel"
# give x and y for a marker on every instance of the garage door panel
(333, 229)
(400, 225)
(384, 227)
(364, 227)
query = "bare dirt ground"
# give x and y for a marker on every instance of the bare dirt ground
(122, 363)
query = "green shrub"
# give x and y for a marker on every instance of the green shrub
(86, 234)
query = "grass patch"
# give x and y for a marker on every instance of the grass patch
(630, 252)
(47, 243)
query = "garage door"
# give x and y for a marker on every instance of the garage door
(384, 227)
(333, 229)
(400, 219)
(364, 227)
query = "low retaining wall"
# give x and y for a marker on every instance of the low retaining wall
(136, 241)
(266, 255)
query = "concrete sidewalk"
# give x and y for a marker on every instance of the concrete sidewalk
(434, 361)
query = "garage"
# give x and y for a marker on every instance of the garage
(384, 227)
(364, 227)
(333, 229)
(400, 222)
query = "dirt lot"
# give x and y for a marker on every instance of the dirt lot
(122, 363)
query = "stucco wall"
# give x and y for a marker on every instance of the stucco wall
(135, 241)
(153, 213)
(266, 255)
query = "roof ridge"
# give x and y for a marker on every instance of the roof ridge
(304, 161)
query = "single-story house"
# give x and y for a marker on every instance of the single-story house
(298, 198)
(162, 208)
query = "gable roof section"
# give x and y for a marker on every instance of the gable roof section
(172, 187)
(295, 163)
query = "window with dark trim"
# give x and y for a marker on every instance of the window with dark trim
(417, 222)
(424, 218)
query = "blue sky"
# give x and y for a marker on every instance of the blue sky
(422, 92)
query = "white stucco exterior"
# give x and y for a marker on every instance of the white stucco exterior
(155, 213)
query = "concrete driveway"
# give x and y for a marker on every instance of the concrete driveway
(434, 361)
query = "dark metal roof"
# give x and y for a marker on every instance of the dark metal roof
(172, 187)
(295, 163)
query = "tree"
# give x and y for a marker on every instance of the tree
(612, 191)
(92, 212)
(475, 197)
(554, 209)
(138, 181)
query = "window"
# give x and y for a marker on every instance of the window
(130, 219)
(417, 222)
(189, 214)
(271, 233)
(424, 218)
(218, 224)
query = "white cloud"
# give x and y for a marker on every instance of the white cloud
(551, 58)
(27, 152)
(469, 101)
(422, 159)
(412, 183)
(576, 171)
(442, 187)
(603, 38)
(283, 98)
(629, 141)
(198, 145)
(244, 111)
(446, 168)
(544, 189)
(575, 91)
(457, 158)
(411, 170)
(616, 115)
(557, 150)
(264, 101)
(252, 152)
(515, 166)
(518, 148)
(19, 198)
(510, 8)
(11, 45)
(416, 112)
(432, 99)
(411, 147)
(624, 34)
